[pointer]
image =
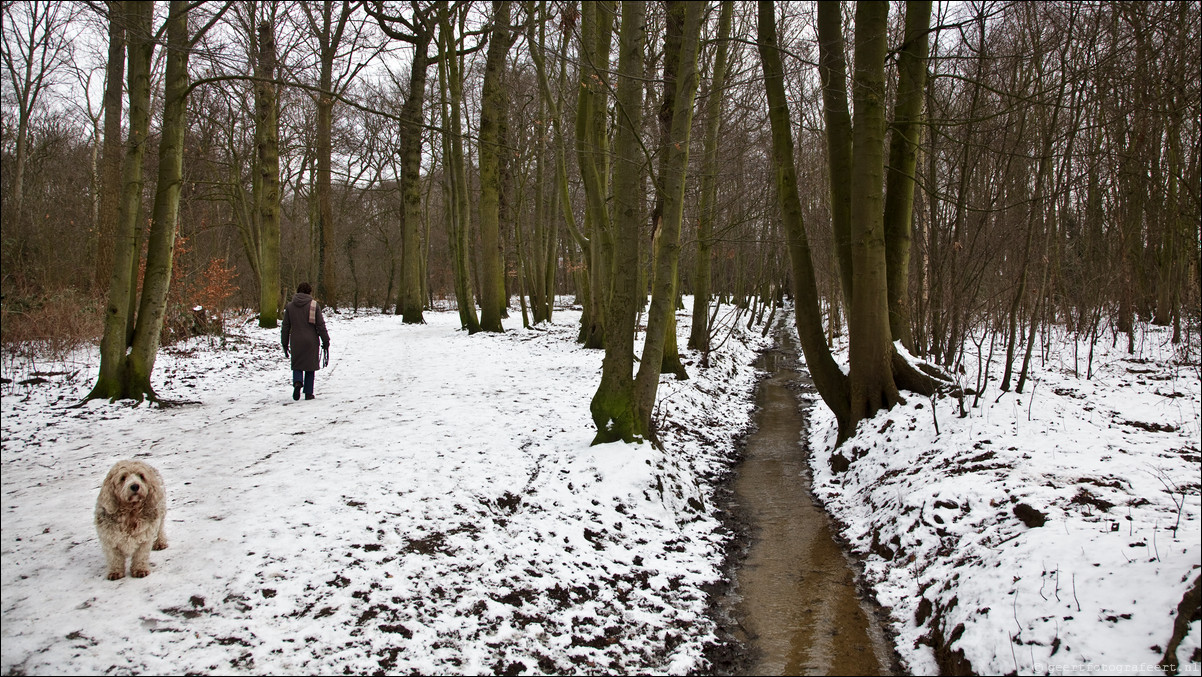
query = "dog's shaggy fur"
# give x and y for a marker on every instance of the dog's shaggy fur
(129, 517)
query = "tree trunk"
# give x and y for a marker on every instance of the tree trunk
(327, 279)
(592, 151)
(903, 161)
(870, 343)
(680, 58)
(130, 376)
(699, 332)
(533, 274)
(828, 377)
(832, 67)
(112, 382)
(110, 157)
(492, 108)
(561, 195)
(877, 370)
(451, 87)
(160, 246)
(613, 405)
(267, 135)
(411, 303)
(680, 62)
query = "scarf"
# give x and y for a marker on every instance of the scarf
(313, 312)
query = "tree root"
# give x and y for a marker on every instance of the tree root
(922, 377)
(1188, 611)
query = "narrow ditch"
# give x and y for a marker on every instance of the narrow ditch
(793, 605)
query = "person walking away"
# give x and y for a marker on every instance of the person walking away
(303, 326)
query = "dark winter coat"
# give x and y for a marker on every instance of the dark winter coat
(300, 335)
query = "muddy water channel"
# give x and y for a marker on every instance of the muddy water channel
(794, 596)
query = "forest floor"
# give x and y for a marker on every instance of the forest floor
(1054, 531)
(438, 509)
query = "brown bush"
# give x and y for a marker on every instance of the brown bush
(50, 324)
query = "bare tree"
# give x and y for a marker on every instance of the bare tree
(592, 157)
(110, 183)
(680, 69)
(700, 330)
(492, 111)
(36, 50)
(418, 31)
(126, 373)
(613, 405)
(267, 168)
(876, 369)
(450, 79)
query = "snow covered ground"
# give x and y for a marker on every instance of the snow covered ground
(1049, 532)
(438, 510)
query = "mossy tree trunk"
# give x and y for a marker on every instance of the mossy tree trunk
(110, 158)
(113, 381)
(328, 30)
(553, 102)
(451, 93)
(870, 343)
(828, 377)
(903, 161)
(533, 265)
(164, 220)
(680, 80)
(699, 333)
(592, 153)
(877, 371)
(832, 69)
(492, 110)
(417, 29)
(680, 60)
(126, 374)
(545, 256)
(613, 405)
(267, 197)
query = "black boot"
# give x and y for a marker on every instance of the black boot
(296, 388)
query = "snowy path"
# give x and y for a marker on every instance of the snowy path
(437, 508)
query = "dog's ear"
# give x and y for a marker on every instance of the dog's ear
(110, 489)
(154, 487)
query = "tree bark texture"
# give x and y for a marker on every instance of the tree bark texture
(684, 33)
(700, 330)
(110, 157)
(492, 109)
(613, 405)
(329, 37)
(267, 142)
(113, 380)
(903, 161)
(828, 377)
(560, 194)
(451, 88)
(870, 345)
(126, 375)
(832, 69)
(592, 154)
(160, 245)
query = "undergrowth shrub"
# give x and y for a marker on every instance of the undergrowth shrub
(197, 298)
(49, 324)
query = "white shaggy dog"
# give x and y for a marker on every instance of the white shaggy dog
(129, 517)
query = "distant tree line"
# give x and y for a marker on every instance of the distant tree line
(937, 175)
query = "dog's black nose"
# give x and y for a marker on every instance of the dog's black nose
(134, 488)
